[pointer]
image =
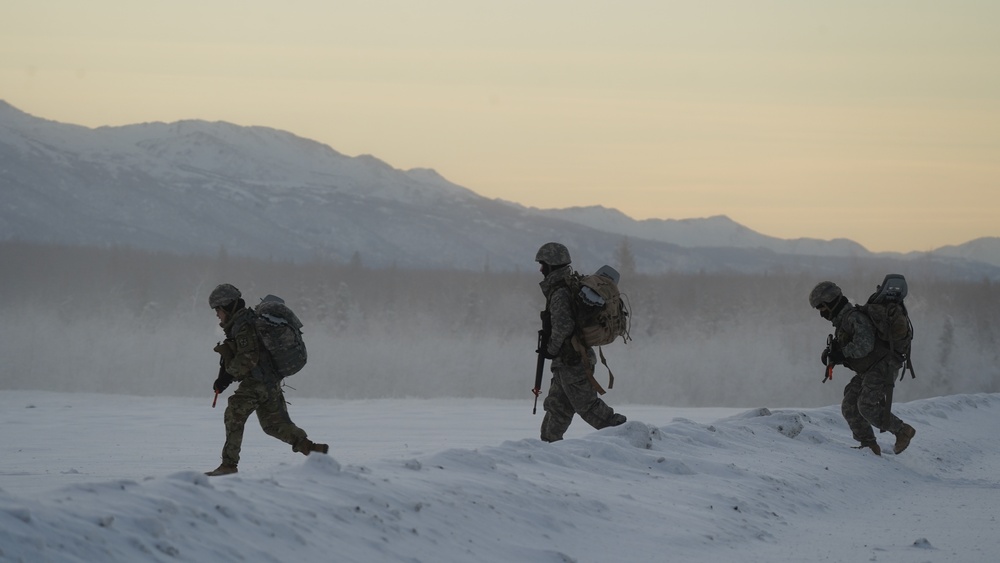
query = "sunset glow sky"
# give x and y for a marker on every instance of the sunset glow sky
(874, 121)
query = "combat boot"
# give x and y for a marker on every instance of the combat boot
(306, 446)
(903, 437)
(222, 470)
(617, 420)
(872, 445)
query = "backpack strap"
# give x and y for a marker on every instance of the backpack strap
(909, 363)
(577, 342)
(597, 386)
(611, 376)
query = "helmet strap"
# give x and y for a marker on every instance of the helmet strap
(837, 305)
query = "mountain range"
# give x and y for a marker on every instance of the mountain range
(200, 187)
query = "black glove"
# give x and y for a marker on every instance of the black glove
(221, 382)
(833, 354)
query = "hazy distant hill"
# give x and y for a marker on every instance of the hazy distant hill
(718, 231)
(197, 187)
(986, 249)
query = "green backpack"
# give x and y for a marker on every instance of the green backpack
(892, 322)
(280, 331)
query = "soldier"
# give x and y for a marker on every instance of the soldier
(243, 360)
(856, 346)
(572, 390)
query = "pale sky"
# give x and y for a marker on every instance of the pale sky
(875, 120)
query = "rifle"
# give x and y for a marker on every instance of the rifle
(222, 372)
(829, 361)
(543, 344)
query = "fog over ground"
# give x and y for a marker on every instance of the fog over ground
(132, 322)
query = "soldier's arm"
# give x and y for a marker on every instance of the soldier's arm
(562, 320)
(862, 336)
(246, 354)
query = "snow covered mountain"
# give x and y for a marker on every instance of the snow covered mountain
(204, 187)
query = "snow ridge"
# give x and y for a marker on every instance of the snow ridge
(763, 485)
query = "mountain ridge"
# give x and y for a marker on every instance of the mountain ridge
(712, 231)
(196, 186)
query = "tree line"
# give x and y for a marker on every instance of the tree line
(131, 321)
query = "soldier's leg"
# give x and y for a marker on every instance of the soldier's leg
(239, 407)
(274, 420)
(860, 427)
(558, 410)
(875, 384)
(583, 396)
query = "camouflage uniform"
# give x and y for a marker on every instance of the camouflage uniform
(860, 350)
(572, 390)
(258, 390)
(876, 369)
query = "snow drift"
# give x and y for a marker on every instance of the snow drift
(745, 485)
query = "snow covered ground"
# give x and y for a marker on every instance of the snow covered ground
(117, 478)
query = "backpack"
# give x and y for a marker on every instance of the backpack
(280, 331)
(600, 309)
(601, 313)
(892, 323)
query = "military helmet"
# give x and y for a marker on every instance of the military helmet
(223, 295)
(824, 292)
(553, 254)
